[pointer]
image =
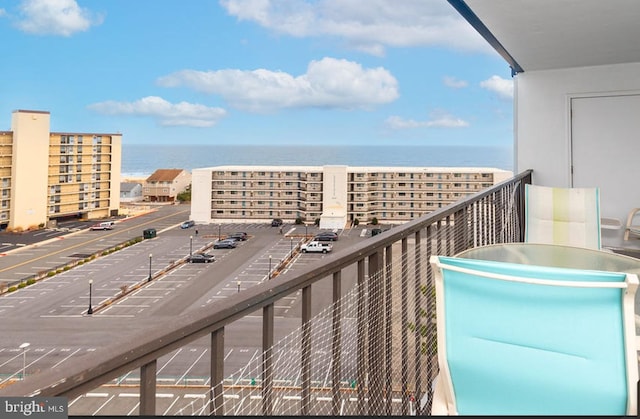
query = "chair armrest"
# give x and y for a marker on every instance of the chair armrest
(610, 223)
(629, 227)
(631, 215)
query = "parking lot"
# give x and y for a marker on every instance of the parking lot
(62, 301)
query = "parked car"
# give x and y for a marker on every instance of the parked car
(201, 258)
(225, 244)
(149, 233)
(187, 224)
(276, 222)
(241, 236)
(376, 231)
(106, 225)
(317, 247)
(326, 236)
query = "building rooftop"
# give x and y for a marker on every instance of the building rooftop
(164, 175)
(362, 169)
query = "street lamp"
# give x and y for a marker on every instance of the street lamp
(190, 246)
(90, 311)
(219, 234)
(150, 256)
(238, 286)
(269, 275)
(24, 347)
(305, 231)
(291, 250)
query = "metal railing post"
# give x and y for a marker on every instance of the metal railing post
(148, 388)
(336, 342)
(217, 372)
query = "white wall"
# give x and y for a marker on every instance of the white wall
(201, 195)
(542, 115)
(334, 197)
(543, 130)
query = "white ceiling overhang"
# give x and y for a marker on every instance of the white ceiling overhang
(553, 34)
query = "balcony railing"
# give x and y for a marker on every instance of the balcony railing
(371, 351)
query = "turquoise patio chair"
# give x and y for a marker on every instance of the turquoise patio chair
(567, 216)
(519, 339)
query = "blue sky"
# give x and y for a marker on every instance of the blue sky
(375, 72)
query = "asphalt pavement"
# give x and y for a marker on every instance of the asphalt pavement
(52, 315)
(36, 253)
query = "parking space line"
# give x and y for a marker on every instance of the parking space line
(96, 395)
(67, 357)
(103, 405)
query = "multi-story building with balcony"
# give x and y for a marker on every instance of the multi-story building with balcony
(48, 176)
(336, 195)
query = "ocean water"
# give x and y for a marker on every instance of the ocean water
(142, 160)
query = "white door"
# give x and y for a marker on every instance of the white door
(605, 146)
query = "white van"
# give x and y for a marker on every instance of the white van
(106, 225)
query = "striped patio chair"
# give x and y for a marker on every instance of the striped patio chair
(566, 216)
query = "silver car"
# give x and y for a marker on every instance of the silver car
(225, 244)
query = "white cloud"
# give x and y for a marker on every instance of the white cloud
(436, 120)
(502, 87)
(454, 83)
(328, 83)
(167, 114)
(3, 12)
(368, 26)
(55, 17)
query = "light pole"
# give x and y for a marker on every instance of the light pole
(238, 286)
(269, 275)
(190, 246)
(291, 250)
(24, 347)
(150, 256)
(90, 311)
(219, 234)
(305, 231)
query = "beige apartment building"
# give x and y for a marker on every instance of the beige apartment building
(49, 176)
(336, 195)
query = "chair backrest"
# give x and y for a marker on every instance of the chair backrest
(568, 216)
(519, 339)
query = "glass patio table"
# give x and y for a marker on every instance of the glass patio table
(559, 257)
(555, 256)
